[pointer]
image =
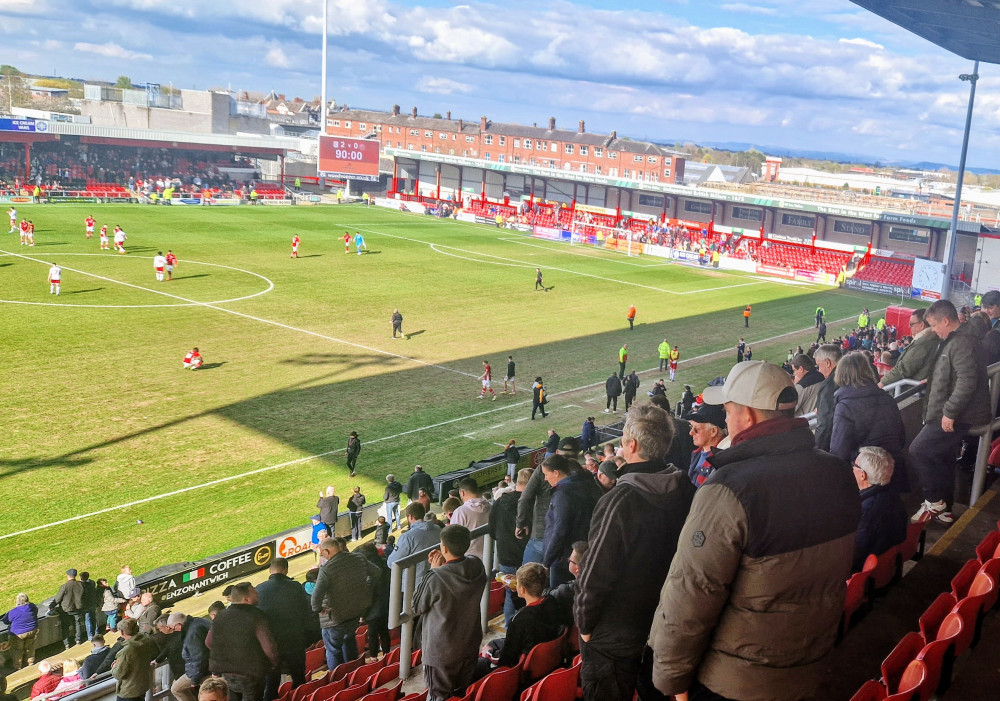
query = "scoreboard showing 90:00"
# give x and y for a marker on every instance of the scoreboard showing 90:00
(341, 157)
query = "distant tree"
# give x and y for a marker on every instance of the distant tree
(437, 115)
(124, 82)
(56, 83)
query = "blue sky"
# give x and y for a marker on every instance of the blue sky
(802, 74)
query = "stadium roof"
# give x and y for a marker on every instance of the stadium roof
(259, 143)
(968, 28)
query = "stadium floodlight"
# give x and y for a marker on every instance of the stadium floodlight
(322, 109)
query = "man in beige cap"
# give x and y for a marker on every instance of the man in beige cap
(753, 599)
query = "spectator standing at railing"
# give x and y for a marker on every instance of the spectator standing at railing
(69, 601)
(192, 632)
(473, 513)
(391, 498)
(343, 594)
(22, 622)
(417, 481)
(917, 360)
(355, 506)
(419, 536)
(448, 598)
(329, 505)
(131, 665)
(91, 601)
(958, 398)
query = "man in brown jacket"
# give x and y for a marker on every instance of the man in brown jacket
(753, 598)
(957, 398)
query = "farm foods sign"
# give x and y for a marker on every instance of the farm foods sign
(210, 573)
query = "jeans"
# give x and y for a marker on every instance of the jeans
(933, 453)
(91, 618)
(512, 470)
(112, 619)
(73, 629)
(533, 551)
(341, 643)
(291, 661)
(508, 602)
(392, 514)
(355, 525)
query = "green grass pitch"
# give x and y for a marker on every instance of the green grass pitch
(97, 411)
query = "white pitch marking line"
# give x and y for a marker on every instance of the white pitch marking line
(420, 429)
(549, 267)
(592, 256)
(478, 260)
(572, 406)
(210, 305)
(502, 445)
(270, 286)
(497, 426)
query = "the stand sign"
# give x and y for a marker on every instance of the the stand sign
(210, 573)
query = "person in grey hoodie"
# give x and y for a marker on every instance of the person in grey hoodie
(473, 513)
(448, 598)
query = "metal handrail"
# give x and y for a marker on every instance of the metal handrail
(401, 588)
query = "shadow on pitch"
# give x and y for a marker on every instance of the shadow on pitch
(189, 277)
(212, 366)
(313, 255)
(4, 265)
(370, 253)
(51, 243)
(415, 333)
(80, 292)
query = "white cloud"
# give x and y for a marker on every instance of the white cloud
(111, 50)
(749, 9)
(276, 57)
(858, 41)
(442, 86)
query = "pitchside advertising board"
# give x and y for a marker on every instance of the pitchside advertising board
(354, 159)
(210, 573)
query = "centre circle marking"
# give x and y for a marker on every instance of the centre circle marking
(270, 286)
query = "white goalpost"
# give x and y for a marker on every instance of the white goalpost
(598, 235)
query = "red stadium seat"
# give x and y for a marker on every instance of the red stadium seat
(500, 684)
(887, 568)
(961, 582)
(498, 593)
(325, 692)
(542, 659)
(315, 659)
(870, 691)
(393, 656)
(351, 693)
(939, 654)
(559, 685)
(303, 690)
(969, 610)
(913, 685)
(385, 675)
(345, 669)
(858, 592)
(364, 673)
(389, 694)
(988, 545)
(913, 547)
(419, 696)
(284, 689)
(930, 620)
(895, 663)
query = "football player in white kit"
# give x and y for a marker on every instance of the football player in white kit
(104, 238)
(120, 239)
(55, 279)
(12, 213)
(159, 263)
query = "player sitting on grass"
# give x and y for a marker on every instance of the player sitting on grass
(193, 360)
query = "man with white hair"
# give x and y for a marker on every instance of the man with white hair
(752, 603)
(826, 356)
(193, 631)
(329, 505)
(883, 516)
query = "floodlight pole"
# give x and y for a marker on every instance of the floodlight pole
(322, 111)
(951, 240)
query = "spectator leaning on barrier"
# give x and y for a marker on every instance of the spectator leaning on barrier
(958, 398)
(355, 506)
(342, 595)
(391, 498)
(131, 665)
(192, 631)
(69, 601)
(447, 598)
(419, 536)
(288, 611)
(329, 505)
(753, 599)
(633, 536)
(417, 481)
(23, 629)
(473, 513)
(241, 648)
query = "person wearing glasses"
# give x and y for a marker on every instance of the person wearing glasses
(918, 359)
(883, 516)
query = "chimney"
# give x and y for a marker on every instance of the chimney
(552, 123)
(395, 110)
(447, 115)
(460, 124)
(414, 113)
(482, 124)
(614, 135)
(580, 129)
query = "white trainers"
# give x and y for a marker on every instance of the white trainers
(937, 511)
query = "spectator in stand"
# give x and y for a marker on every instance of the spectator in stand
(866, 415)
(126, 583)
(391, 498)
(91, 601)
(588, 436)
(343, 594)
(355, 506)
(192, 631)
(423, 497)
(69, 601)
(827, 356)
(329, 506)
(535, 622)
(131, 665)
(215, 608)
(381, 531)
(110, 603)
(568, 516)
(288, 610)
(150, 612)
(630, 386)
(447, 599)
(241, 648)
(419, 536)
(808, 381)
(958, 398)
(883, 516)
(503, 527)
(633, 534)
(22, 622)
(213, 689)
(417, 481)
(531, 510)
(613, 390)
(916, 362)
(743, 544)
(49, 676)
(71, 681)
(95, 659)
(512, 455)
(377, 615)
(708, 429)
(473, 513)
